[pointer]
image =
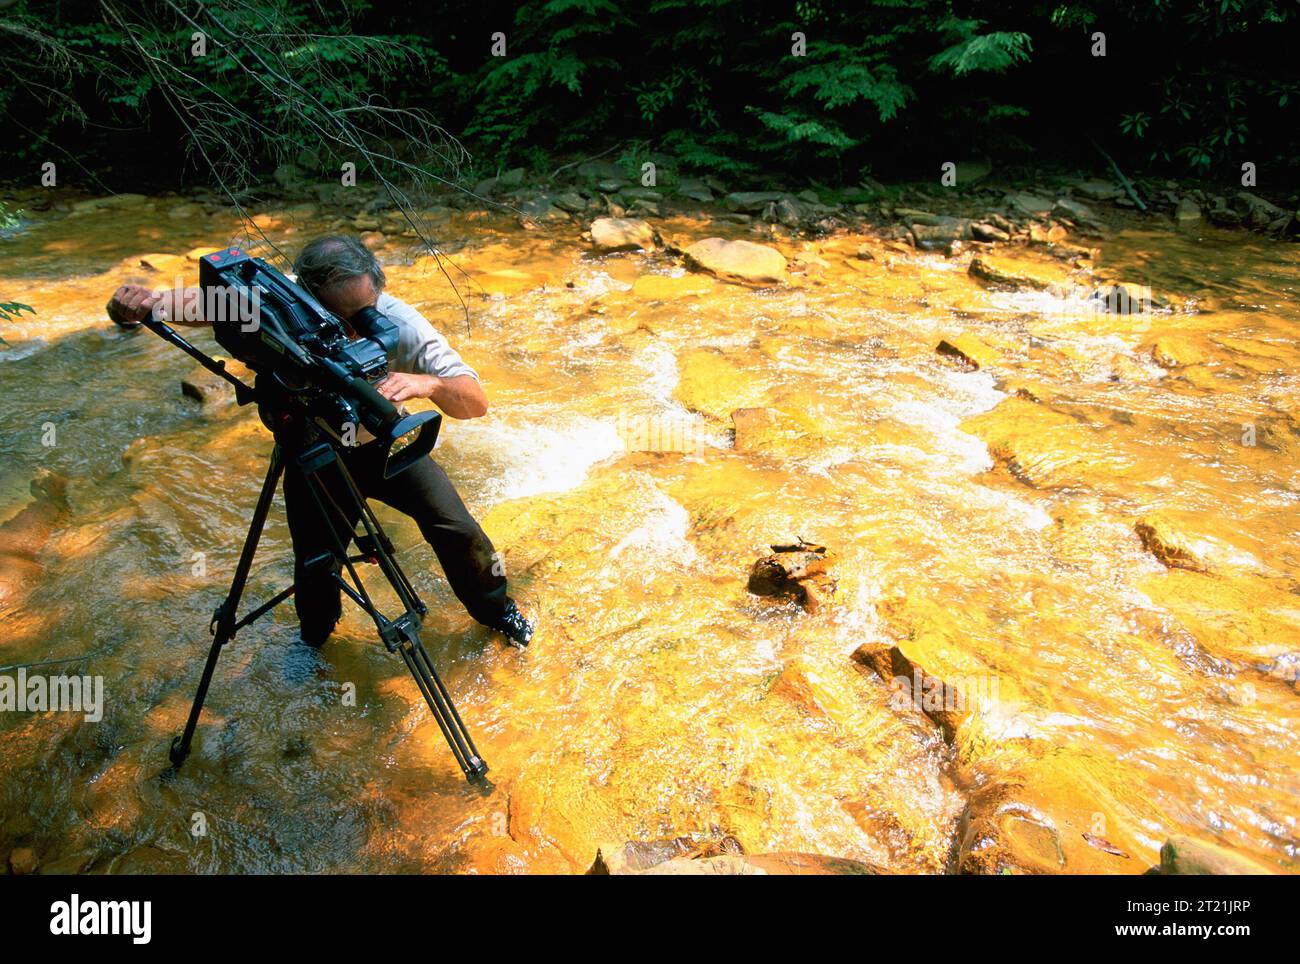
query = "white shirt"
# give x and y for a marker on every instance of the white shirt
(420, 350)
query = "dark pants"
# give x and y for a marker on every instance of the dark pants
(422, 492)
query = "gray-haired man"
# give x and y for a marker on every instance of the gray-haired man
(345, 277)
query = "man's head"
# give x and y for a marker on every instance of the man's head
(341, 272)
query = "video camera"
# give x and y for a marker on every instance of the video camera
(309, 363)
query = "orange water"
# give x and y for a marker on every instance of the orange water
(993, 536)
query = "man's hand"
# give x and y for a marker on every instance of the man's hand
(399, 386)
(460, 396)
(131, 304)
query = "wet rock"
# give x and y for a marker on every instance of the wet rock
(941, 234)
(622, 234)
(22, 861)
(751, 202)
(1074, 211)
(1186, 856)
(797, 572)
(947, 705)
(1164, 541)
(1259, 213)
(695, 190)
(1173, 351)
(741, 261)
(969, 349)
(1098, 190)
(1030, 204)
(791, 212)
(211, 391)
(1123, 298)
(1187, 210)
(1222, 214)
(1001, 834)
(713, 384)
(641, 194)
(1047, 233)
(571, 201)
(984, 231)
(1007, 274)
(543, 210)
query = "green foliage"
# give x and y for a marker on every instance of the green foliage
(722, 85)
(10, 310)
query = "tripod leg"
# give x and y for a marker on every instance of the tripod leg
(223, 621)
(400, 635)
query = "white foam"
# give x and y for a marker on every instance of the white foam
(540, 458)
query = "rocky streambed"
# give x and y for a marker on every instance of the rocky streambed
(916, 533)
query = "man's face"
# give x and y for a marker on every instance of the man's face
(346, 298)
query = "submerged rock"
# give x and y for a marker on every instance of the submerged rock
(969, 349)
(1185, 856)
(742, 261)
(948, 706)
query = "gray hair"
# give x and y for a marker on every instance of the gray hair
(336, 258)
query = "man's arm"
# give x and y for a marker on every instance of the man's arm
(460, 396)
(131, 304)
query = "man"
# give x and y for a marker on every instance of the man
(344, 276)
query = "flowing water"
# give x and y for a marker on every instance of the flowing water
(988, 521)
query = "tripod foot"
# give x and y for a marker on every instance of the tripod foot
(178, 752)
(476, 770)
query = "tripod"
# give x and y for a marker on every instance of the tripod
(340, 501)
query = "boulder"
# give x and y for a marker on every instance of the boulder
(1164, 541)
(1186, 856)
(622, 234)
(741, 261)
